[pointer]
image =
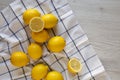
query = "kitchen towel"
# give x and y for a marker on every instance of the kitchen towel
(15, 36)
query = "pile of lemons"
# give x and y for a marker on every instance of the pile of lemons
(39, 25)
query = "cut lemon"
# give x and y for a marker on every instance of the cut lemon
(74, 65)
(36, 24)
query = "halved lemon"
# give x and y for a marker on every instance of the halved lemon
(74, 65)
(36, 24)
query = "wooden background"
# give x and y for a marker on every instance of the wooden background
(100, 19)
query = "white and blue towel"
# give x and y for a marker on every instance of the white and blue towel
(15, 36)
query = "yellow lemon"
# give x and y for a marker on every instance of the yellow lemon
(54, 75)
(36, 24)
(74, 65)
(19, 59)
(34, 51)
(50, 20)
(39, 71)
(29, 14)
(56, 44)
(41, 36)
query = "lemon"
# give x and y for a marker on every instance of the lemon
(74, 65)
(56, 44)
(41, 36)
(50, 20)
(36, 24)
(39, 71)
(54, 75)
(29, 14)
(34, 51)
(19, 59)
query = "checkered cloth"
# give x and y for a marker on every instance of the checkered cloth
(15, 36)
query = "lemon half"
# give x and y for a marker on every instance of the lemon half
(74, 65)
(36, 24)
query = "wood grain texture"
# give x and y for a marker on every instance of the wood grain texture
(100, 19)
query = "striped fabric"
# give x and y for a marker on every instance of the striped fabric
(15, 36)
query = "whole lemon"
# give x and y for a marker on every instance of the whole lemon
(39, 71)
(29, 14)
(54, 75)
(50, 20)
(19, 59)
(34, 51)
(56, 44)
(41, 36)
